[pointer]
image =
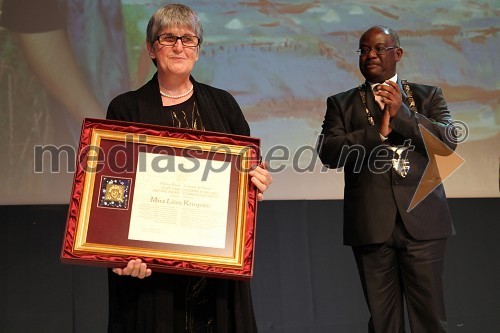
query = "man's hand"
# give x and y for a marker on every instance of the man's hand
(385, 127)
(391, 97)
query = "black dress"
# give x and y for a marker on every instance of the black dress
(168, 302)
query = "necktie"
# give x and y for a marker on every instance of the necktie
(378, 98)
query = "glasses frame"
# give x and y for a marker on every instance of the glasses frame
(383, 50)
(178, 38)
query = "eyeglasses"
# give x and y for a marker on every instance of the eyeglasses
(170, 40)
(378, 49)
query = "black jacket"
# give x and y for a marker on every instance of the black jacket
(149, 305)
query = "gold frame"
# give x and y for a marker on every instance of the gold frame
(82, 247)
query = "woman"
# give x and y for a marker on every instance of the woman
(143, 302)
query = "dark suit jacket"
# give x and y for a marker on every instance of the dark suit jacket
(374, 192)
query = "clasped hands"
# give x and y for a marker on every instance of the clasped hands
(392, 98)
(260, 177)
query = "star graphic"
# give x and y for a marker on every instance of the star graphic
(443, 161)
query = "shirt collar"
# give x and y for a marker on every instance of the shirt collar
(393, 79)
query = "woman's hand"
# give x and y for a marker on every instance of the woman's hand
(261, 178)
(135, 268)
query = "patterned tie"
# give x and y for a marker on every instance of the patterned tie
(378, 98)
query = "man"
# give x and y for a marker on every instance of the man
(399, 252)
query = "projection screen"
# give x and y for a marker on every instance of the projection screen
(62, 61)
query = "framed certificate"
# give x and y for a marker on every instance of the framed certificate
(178, 199)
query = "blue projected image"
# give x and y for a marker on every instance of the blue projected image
(280, 60)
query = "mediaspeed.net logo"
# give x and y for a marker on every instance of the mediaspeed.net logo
(443, 161)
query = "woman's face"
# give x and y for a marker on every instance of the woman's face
(177, 59)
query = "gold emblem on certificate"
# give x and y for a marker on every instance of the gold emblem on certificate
(114, 192)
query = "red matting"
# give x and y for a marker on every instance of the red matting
(97, 229)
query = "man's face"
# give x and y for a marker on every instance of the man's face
(377, 68)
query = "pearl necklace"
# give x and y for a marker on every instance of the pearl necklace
(177, 96)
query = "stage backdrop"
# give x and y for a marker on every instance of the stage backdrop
(280, 60)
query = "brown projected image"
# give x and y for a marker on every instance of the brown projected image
(280, 61)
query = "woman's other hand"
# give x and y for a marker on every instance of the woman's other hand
(261, 178)
(135, 268)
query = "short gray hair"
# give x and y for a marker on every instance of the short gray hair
(173, 15)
